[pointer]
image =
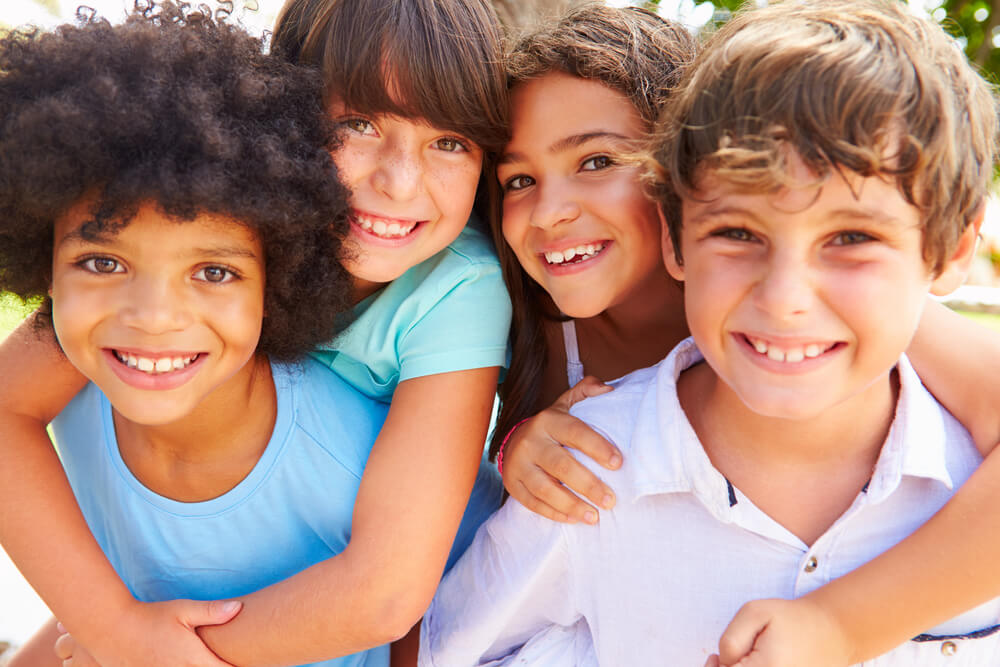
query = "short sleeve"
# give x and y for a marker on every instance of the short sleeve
(512, 584)
(466, 328)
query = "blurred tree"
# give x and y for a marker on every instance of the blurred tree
(976, 23)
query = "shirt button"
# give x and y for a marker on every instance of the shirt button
(949, 648)
(811, 564)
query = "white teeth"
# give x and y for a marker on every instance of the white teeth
(384, 229)
(792, 355)
(579, 253)
(157, 365)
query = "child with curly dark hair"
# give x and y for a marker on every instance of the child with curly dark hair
(417, 90)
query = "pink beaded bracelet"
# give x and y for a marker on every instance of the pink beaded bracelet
(504, 444)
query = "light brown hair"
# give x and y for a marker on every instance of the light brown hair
(633, 52)
(861, 85)
(436, 60)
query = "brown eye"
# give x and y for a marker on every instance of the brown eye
(102, 265)
(215, 274)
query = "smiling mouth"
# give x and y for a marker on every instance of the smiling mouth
(384, 228)
(155, 365)
(575, 255)
(790, 354)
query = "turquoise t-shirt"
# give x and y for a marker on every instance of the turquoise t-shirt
(448, 313)
(293, 510)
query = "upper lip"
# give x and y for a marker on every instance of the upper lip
(356, 213)
(150, 354)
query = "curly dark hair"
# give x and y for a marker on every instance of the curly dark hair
(179, 109)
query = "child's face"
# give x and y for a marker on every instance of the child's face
(160, 313)
(577, 219)
(804, 298)
(412, 185)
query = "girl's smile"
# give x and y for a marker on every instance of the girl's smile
(412, 185)
(574, 212)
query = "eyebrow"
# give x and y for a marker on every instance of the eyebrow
(105, 238)
(868, 214)
(565, 143)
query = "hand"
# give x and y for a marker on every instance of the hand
(782, 633)
(536, 464)
(157, 634)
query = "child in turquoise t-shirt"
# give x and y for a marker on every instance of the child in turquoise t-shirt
(416, 114)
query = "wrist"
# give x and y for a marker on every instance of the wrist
(503, 444)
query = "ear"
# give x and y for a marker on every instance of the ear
(674, 267)
(956, 268)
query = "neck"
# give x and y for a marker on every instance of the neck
(637, 332)
(804, 473)
(210, 450)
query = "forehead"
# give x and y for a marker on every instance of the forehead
(557, 105)
(151, 225)
(840, 195)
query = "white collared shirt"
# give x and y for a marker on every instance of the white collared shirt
(659, 578)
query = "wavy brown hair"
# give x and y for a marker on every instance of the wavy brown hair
(861, 85)
(435, 60)
(175, 108)
(633, 52)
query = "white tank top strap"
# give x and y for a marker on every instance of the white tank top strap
(574, 367)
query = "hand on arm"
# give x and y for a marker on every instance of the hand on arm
(945, 567)
(37, 503)
(536, 464)
(411, 499)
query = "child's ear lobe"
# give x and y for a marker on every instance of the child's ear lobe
(956, 268)
(674, 267)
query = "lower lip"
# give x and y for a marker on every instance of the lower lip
(395, 242)
(159, 382)
(575, 267)
(784, 367)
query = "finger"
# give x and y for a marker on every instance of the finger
(566, 470)
(521, 494)
(577, 434)
(196, 613)
(63, 647)
(60, 627)
(551, 492)
(585, 388)
(741, 634)
(713, 661)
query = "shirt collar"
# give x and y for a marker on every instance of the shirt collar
(673, 460)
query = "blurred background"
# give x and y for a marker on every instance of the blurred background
(975, 24)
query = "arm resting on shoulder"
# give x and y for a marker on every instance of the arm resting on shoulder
(413, 492)
(959, 362)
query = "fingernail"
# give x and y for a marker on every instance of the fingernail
(615, 460)
(608, 501)
(590, 517)
(231, 606)
(60, 627)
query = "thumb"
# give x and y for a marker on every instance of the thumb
(585, 388)
(212, 612)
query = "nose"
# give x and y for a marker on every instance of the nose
(555, 203)
(154, 305)
(399, 171)
(785, 287)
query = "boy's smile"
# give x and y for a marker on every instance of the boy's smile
(802, 300)
(159, 313)
(412, 185)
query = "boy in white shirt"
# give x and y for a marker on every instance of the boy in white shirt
(831, 161)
